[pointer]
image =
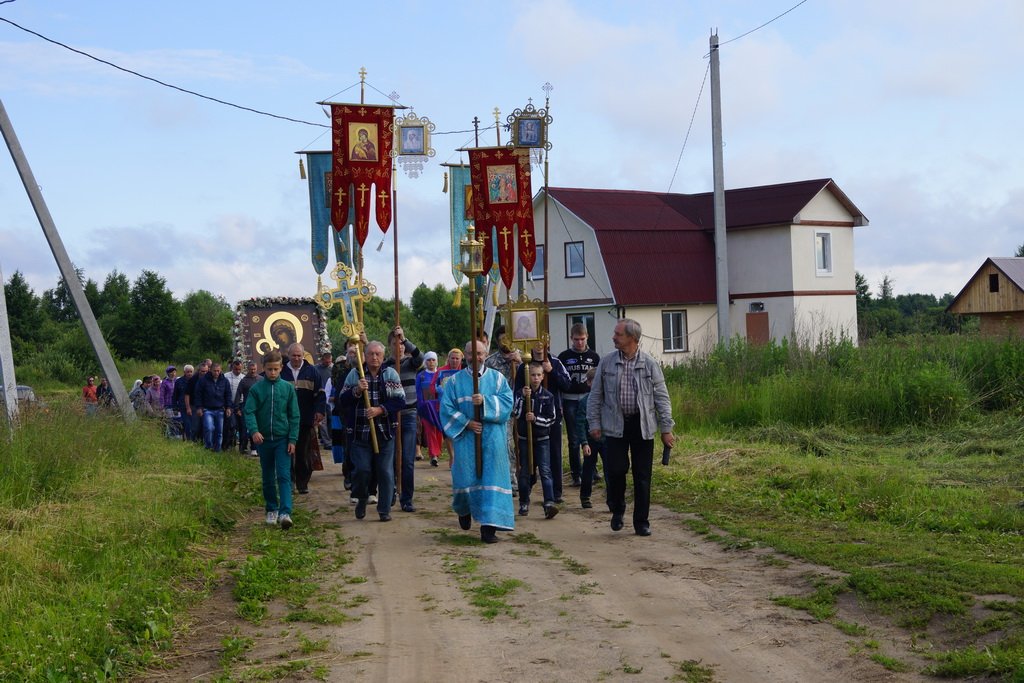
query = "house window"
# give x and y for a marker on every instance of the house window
(538, 266)
(673, 331)
(823, 252)
(585, 318)
(993, 283)
(574, 263)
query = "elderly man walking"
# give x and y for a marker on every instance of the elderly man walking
(312, 408)
(628, 405)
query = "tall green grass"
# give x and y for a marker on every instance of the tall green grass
(886, 384)
(104, 526)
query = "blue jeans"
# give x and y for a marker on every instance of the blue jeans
(569, 409)
(213, 428)
(409, 419)
(363, 462)
(542, 460)
(276, 469)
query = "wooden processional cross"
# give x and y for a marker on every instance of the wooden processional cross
(350, 289)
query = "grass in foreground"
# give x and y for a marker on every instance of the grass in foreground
(924, 523)
(107, 529)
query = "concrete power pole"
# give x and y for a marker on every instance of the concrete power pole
(67, 269)
(721, 255)
(8, 385)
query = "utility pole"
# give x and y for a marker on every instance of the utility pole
(8, 385)
(721, 255)
(67, 269)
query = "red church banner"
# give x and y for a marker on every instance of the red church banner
(361, 143)
(503, 207)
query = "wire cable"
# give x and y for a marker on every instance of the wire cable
(690, 127)
(744, 35)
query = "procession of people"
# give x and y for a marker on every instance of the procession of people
(502, 432)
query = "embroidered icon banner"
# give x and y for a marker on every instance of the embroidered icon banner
(361, 151)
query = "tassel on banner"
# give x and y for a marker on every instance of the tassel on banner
(443, 189)
(494, 295)
(302, 170)
(457, 302)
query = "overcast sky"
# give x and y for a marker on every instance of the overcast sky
(912, 106)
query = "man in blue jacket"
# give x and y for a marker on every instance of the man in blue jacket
(213, 403)
(312, 408)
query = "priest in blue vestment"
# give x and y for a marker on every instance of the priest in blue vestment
(487, 499)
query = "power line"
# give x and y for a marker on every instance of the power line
(744, 35)
(689, 128)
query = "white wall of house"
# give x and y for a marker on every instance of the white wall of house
(760, 260)
(564, 228)
(817, 318)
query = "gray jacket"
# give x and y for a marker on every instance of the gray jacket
(652, 396)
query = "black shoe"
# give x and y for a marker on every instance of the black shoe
(616, 521)
(433, 462)
(585, 503)
(465, 521)
(576, 481)
(643, 530)
(361, 508)
(559, 500)
(385, 517)
(347, 485)
(408, 507)
(524, 509)
(488, 534)
(550, 511)
(303, 491)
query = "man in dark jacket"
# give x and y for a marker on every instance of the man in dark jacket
(312, 408)
(407, 369)
(213, 404)
(578, 359)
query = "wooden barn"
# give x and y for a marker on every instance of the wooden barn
(996, 294)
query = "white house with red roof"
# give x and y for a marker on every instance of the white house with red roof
(651, 256)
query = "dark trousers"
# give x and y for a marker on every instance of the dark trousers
(302, 469)
(569, 413)
(621, 452)
(590, 467)
(555, 438)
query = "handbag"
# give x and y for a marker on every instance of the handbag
(315, 460)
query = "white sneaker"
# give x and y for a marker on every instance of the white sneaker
(372, 500)
(253, 453)
(272, 517)
(286, 521)
(354, 501)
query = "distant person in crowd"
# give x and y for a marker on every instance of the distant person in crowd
(233, 425)
(506, 360)
(89, 398)
(139, 398)
(190, 399)
(578, 359)
(592, 448)
(104, 394)
(407, 369)
(325, 367)
(372, 404)
(312, 408)
(486, 498)
(213, 403)
(153, 396)
(427, 404)
(272, 418)
(628, 405)
(455, 362)
(173, 425)
(534, 411)
(339, 429)
(179, 399)
(244, 387)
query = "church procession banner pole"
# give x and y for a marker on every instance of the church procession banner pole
(67, 268)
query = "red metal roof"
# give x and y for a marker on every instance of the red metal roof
(658, 248)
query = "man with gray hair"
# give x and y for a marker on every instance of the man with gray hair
(628, 405)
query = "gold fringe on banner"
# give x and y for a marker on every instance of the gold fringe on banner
(445, 188)
(457, 302)
(302, 169)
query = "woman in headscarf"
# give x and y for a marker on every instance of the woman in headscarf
(427, 405)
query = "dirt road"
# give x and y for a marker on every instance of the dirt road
(584, 604)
